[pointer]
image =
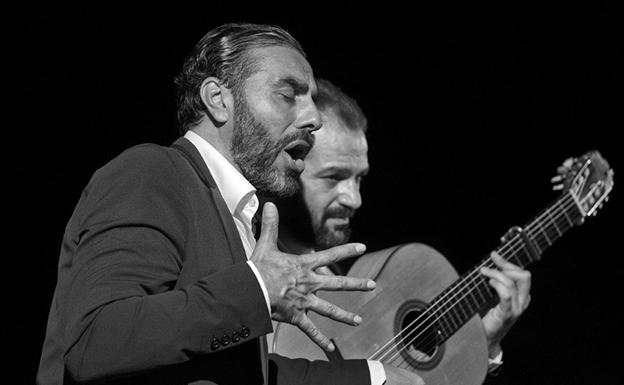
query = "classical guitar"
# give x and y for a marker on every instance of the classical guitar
(422, 316)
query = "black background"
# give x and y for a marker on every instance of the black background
(471, 109)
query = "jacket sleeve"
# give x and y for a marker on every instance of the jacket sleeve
(128, 236)
(285, 371)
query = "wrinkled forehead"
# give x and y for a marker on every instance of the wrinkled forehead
(278, 65)
(339, 148)
(342, 143)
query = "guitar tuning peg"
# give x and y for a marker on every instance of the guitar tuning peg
(558, 187)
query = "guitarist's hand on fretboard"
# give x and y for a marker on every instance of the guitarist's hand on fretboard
(513, 285)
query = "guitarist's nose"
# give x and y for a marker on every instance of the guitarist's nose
(349, 194)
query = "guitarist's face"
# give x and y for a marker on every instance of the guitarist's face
(331, 180)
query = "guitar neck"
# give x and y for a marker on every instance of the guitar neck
(471, 292)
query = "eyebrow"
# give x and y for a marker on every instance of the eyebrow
(298, 86)
(335, 169)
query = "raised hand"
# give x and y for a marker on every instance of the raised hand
(513, 285)
(291, 280)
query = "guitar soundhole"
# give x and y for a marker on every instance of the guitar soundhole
(419, 342)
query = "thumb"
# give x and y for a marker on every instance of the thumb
(270, 224)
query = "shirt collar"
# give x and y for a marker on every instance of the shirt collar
(235, 189)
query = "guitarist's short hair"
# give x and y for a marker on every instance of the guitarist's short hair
(331, 98)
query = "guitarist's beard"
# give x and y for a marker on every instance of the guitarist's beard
(326, 236)
(298, 223)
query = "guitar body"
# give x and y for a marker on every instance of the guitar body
(408, 277)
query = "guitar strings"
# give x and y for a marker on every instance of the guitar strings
(479, 277)
(511, 244)
(533, 226)
(439, 299)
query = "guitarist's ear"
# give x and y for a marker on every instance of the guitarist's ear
(218, 100)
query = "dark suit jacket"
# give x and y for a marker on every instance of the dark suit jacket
(153, 285)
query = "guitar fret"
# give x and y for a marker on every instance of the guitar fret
(553, 222)
(442, 322)
(480, 292)
(539, 249)
(446, 333)
(457, 299)
(446, 327)
(544, 232)
(431, 311)
(467, 313)
(570, 222)
(522, 256)
(461, 313)
(474, 304)
(539, 242)
(515, 258)
(452, 316)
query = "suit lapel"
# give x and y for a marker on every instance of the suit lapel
(189, 151)
(231, 232)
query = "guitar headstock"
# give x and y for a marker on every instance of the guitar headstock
(588, 179)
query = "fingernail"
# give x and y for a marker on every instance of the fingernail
(357, 319)
(331, 347)
(360, 248)
(371, 284)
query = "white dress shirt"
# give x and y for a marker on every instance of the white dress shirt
(239, 195)
(240, 198)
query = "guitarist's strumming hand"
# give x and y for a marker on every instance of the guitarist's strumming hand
(291, 280)
(513, 285)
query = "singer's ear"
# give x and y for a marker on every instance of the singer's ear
(218, 99)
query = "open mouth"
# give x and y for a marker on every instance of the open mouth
(298, 149)
(339, 221)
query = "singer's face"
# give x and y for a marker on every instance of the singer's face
(274, 118)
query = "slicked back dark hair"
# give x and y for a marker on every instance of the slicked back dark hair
(223, 53)
(331, 98)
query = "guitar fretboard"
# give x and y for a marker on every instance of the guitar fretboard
(471, 292)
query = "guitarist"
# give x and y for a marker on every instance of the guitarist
(319, 218)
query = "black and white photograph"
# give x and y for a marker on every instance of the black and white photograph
(314, 193)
